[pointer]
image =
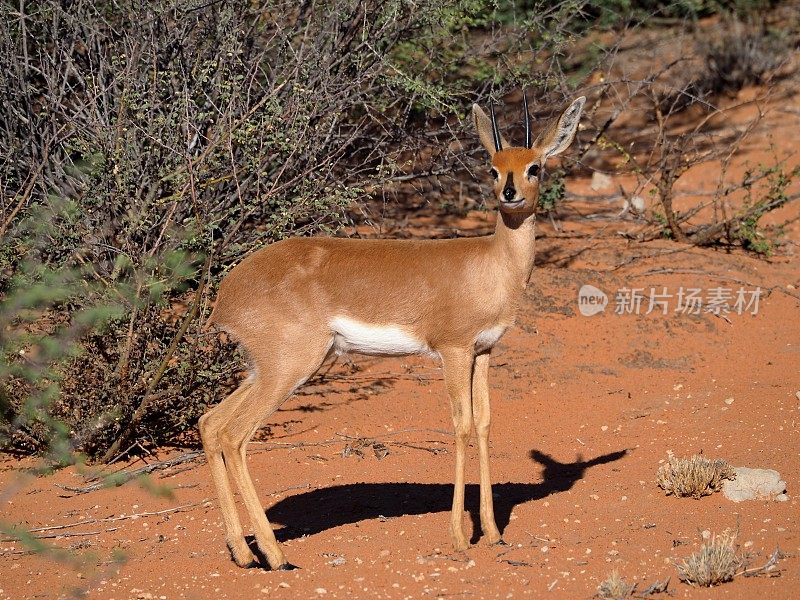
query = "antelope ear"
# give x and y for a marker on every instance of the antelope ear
(559, 135)
(484, 126)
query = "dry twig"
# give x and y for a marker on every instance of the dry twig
(120, 477)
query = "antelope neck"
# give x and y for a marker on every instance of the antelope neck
(515, 236)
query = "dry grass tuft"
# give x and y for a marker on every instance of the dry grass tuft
(716, 562)
(615, 588)
(696, 476)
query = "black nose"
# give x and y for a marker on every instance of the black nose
(509, 193)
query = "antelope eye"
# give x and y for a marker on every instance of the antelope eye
(533, 171)
(495, 173)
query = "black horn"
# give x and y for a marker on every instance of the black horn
(495, 130)
(528, 138)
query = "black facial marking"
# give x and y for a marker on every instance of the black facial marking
(509, 193)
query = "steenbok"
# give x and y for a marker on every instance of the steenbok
(295, 303)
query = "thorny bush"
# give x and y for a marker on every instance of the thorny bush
(148, 146)
(162, 141)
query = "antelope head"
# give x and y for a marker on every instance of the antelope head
(518, 170)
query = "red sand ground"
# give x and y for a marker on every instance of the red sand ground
(585, 409)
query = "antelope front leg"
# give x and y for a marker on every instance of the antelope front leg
(481, 414)
(458, 378)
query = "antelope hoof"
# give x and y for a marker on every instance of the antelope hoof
(276, 561)
(500, 542)
(494, 537)
(460, 541)
(242, 556)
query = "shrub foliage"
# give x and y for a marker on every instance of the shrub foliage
(150, 146)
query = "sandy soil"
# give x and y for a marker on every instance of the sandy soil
(585, 409)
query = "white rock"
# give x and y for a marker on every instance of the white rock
(637, 203)
(600, 181)
(636, 206)
(753, 484)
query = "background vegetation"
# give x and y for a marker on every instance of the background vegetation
(149, 146)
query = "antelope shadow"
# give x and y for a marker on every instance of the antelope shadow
(316, 511)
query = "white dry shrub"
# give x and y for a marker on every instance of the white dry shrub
(716, 562)
(615, 588)
(696, 476)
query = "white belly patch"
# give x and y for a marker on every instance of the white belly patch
(363, 338)
(487, 338)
